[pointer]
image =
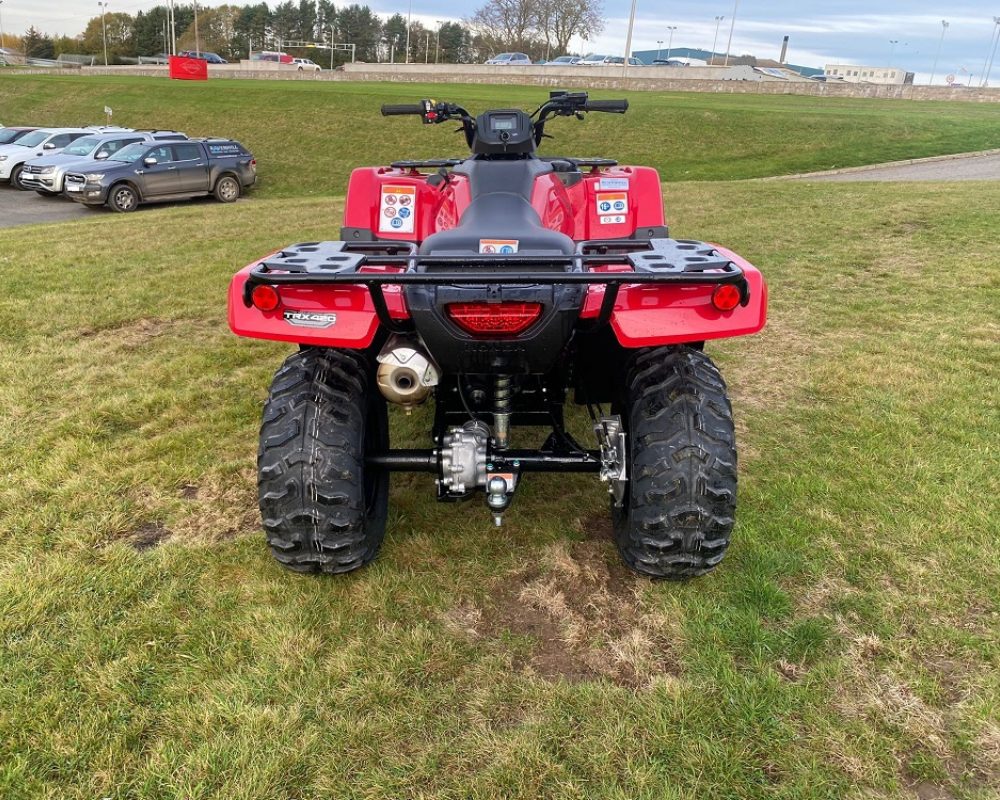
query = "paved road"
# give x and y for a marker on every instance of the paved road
(971, 168)
(26, 208)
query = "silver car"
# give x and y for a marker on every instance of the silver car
(510, 60)
(46, 174)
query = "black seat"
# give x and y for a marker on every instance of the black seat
(501, 215)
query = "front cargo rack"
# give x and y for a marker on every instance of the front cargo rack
(652, 261)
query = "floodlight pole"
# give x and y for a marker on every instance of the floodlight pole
(659, 44)
(437, 45)
(104, 29)
(670, 42)
(892, 49)
(996, 41)
(409, 22)
(173, 29)
(197, 40)
(715, 41)
(2, 45)
(732, 24)
(944, 27)
(628, 39)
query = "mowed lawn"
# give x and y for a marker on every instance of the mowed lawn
(847, 646)
(308, 135)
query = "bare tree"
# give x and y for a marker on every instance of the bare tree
(505, 24)
(569, 18)
(539, 27)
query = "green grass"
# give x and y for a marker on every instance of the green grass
(309, 135)
(847, 647)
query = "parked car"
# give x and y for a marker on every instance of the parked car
(563, 61)
(594, 60)
(46, 174)
(306, 64)
(145, 173)
(211, 58)
(40, 142)
(510, 59)
(272, 55)
(10, 135)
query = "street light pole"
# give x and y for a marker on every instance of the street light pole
(628, 39)
(197, 40)
(892, 49)
(659, 44)
(996, 41)
(715, 41)
(173, 29)
(2, 45)
(409, 22)
(732, 24)
(944, 27)
(427, 46)
(670, 42)
(437, 44)
(104, 29)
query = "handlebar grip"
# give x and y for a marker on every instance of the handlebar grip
(400, 110)
(611, 106)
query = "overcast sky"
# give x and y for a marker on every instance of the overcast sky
(852, 31)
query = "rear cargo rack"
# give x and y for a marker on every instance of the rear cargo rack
(646, 261)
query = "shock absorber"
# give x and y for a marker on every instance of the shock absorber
(501, 411)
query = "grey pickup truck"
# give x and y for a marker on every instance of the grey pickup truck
(148, 172)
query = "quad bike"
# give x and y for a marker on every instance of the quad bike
(502, 286)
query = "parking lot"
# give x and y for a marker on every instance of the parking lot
(27, 208)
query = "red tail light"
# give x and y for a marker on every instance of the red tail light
(265, 298)
(498, 320)
(726, 297)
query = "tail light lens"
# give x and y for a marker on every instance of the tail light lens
(726, 297)
(497, 320)
(265, 298)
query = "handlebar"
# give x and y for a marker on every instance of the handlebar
(610, 106)
(403, 109)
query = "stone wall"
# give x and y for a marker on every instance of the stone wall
(606, 78)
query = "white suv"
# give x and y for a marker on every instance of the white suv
(305, 63)
(43, 142)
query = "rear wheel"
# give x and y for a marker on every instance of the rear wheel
(123, 198)
(227, 189)
(323, 510)
(681, 499)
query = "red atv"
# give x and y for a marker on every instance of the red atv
(501, 285)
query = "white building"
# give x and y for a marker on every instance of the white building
(854, 73)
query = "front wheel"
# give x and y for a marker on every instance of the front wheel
(123, 198)
(323, 508)
(15, 178)
(681, 500)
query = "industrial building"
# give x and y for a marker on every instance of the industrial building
(855, 73)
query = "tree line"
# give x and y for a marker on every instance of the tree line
(541, 28)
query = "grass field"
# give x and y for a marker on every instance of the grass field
(847, 647)
(308, 135)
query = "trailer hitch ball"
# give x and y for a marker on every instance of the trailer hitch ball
(406, 374)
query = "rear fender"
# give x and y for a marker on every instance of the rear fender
(650, 316)
(320, 316)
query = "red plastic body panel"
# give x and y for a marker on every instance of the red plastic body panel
(643, 316)
(356, 320)
(648, 316)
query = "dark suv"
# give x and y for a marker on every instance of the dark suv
(147, 173)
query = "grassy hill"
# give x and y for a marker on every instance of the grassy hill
(150, 648)
(308, 135)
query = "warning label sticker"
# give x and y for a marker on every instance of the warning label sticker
(504, 247)
(612, 204)
(398, 207)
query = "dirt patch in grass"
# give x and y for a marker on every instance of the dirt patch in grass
(581, 615)
(148, 536)
(220, 507)
(136, 333)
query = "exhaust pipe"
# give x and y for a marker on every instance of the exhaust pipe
(406, 374)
